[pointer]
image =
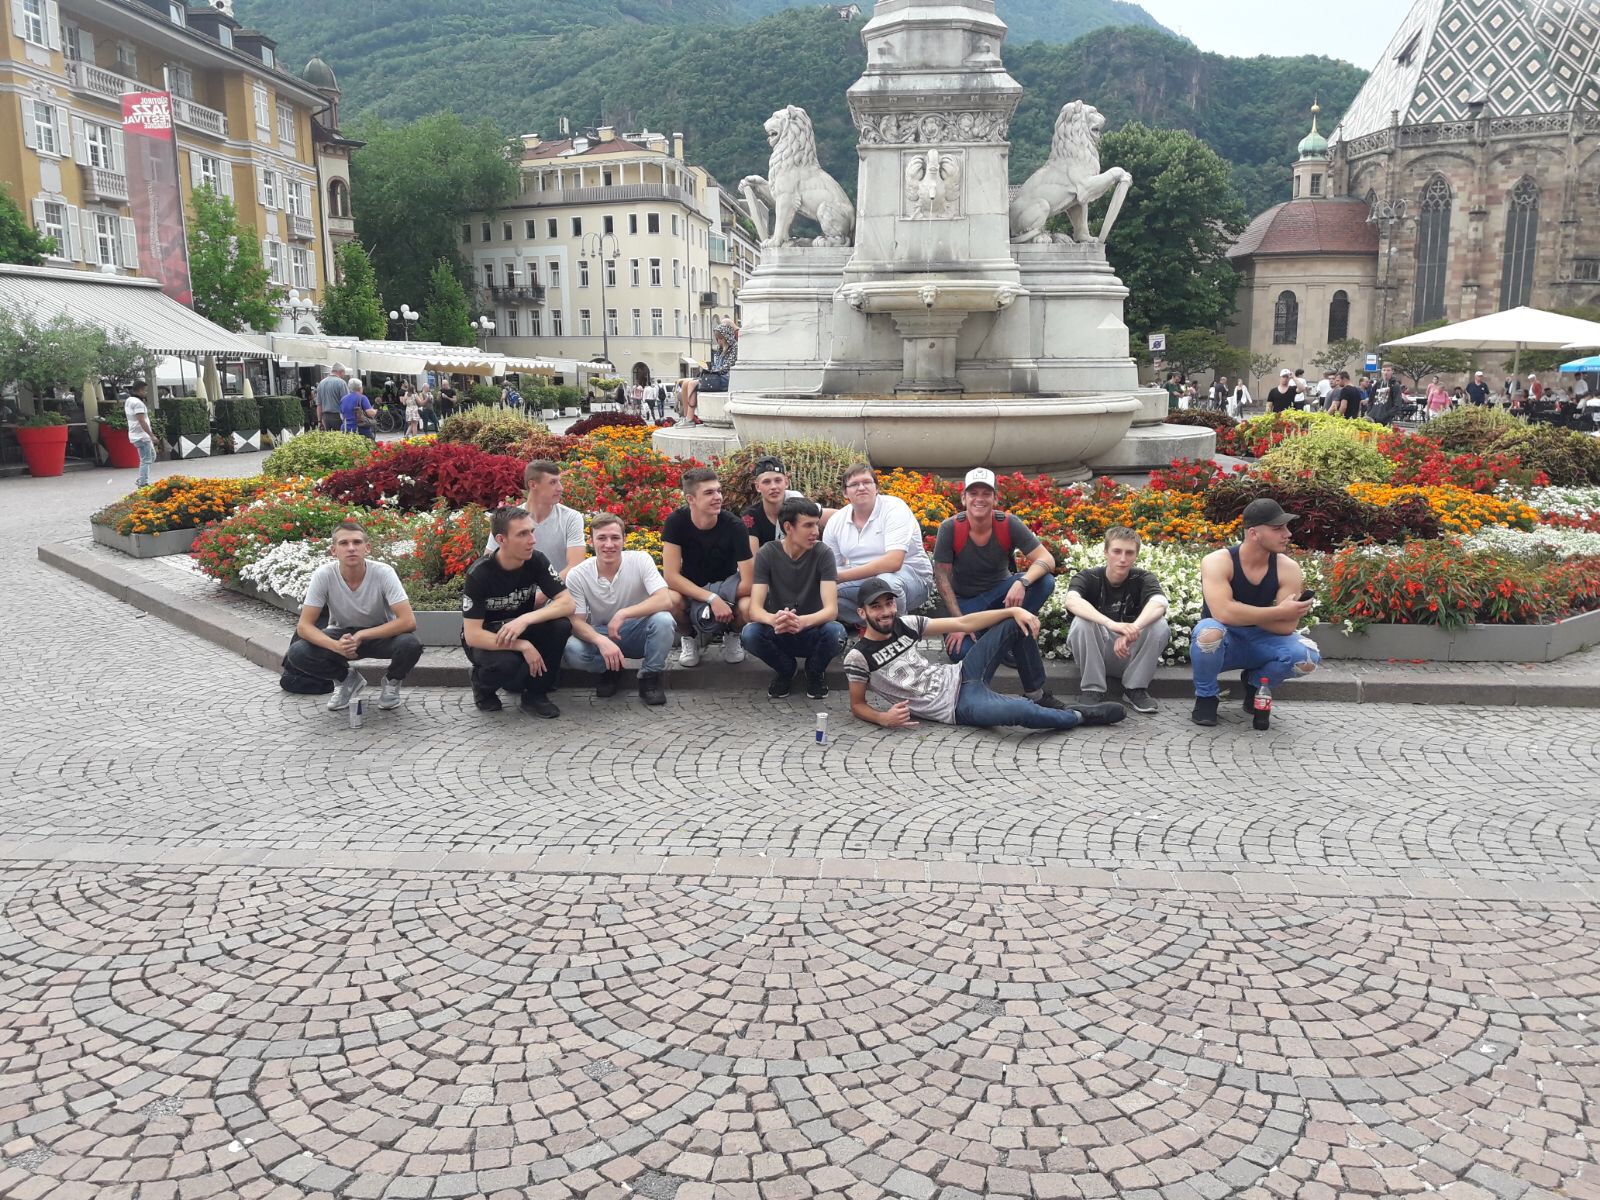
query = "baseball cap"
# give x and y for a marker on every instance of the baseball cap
(770, 462)
(872, 589)
(1285, 372)
(1532, 375)
(1266, 511)
(1477, 373)
(979, 475)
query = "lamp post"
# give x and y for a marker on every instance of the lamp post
(406, 317)
(599, 242)
(297, 306)
(484, 326)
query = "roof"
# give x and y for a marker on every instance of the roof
(137, 307)
(410, 358)
(1333, 225)
(320, 75)
(1518, 58)
(562, 148)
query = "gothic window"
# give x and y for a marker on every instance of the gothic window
(1286, 320)
(1522, 224)
(1339, 317)
(1433, 250)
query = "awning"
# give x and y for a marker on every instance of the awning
(411, 358)
(135, 307)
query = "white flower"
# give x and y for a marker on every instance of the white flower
(1542, 542)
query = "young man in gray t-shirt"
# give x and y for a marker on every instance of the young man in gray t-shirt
(354, 609)
(794, 602)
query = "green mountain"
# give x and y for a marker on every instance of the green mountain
(1028, 20)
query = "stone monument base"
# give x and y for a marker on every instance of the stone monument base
(702, 442)
(1146, 447)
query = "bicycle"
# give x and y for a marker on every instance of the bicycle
(388, 420)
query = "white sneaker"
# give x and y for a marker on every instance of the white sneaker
(732, 648)
(389, 697)
(689, 652)
(352, 687)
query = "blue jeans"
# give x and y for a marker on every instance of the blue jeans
(910, 592)
(1257, 652)
(978, 704)
(645, 638)
(818, 646)
(1032, 599)
(147, 455)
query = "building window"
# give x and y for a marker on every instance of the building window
(529, 229)
(1316, 183)
(655, 272)
(269, 190)
(1286, 320)
(633, 271)
(550, 228)
(656, 321)
(99, 146)
(486, 232)
(181, 81)
(511, 323)
(1522, 224)
(609, 224)
(677, 322)
(583, 272)
(32, 26)
(505, 231)
(577, 226)
(652, 223)
(175, 12)
(1339, 317)
(638, 322)
(488, 274)
(466, 233)
(555, 273)
(633, 222)
(533, 272)
(674, 272)
(44, 128)
(613, 326)
(611, 272)
(1586, 270)
(674, 224)
(605, 181)
(339, 203)
(263, 114)
(286, 124)
(106, 237)
(1297, 187)
(53, 225)
(300, 268)
(511, 274)
(535, 323)
(128, 59)
(298, 198)
(555, 322)
(77, 46)
(585, 323)
(1433, 251)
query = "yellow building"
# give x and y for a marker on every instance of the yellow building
(243, 124)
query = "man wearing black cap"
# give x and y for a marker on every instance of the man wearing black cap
(888, 660)
(1252, 611)
(772, 489)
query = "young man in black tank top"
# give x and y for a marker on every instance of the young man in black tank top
(1252, 613)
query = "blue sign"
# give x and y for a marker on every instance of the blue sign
(1372, 362)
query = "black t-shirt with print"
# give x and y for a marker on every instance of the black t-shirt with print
(494, 595)
(1121, 602)
(709, 555)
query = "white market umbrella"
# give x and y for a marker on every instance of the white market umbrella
(1515, 329)
(248, 391)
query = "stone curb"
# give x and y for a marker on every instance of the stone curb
(264, 645)
(1405, 885)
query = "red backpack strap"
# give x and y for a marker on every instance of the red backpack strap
(961, 531)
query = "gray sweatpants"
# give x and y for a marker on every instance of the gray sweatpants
(1093, 649)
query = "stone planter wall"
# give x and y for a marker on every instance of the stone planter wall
(146, 545)
(434, 628)
(1475, 643)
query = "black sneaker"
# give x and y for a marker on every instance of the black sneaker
(1138, 699)
(1250, 690)
(1050, 700)
(1088, 698)
(1099, 714)
(607, 685)
(780, 685)
(487, 699)
(650, 689)
(1205, 710)
(539, 705)
(816, 686)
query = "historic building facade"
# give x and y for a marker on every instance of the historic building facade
(1473, 153)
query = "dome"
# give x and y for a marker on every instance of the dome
(1313, 145)
(320, 75)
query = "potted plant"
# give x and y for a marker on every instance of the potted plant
(237, 424)
(188, 425)
(120, 450)
(43, 438)
(282, 418)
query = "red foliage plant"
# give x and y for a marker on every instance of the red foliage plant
(413, 477)
(1422, 461)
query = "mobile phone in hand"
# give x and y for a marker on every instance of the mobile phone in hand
(1308, 594)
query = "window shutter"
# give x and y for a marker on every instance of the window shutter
(225, 177)
(91, 250)
(119, 154)
(29, 137)
(261, 187)
(312, 281)
(194, 170)
(72, 233)
(61, 131)
(52, 25)
(38, 214)
(80, 143)
(19, 24)
(86, 45)
(130, 244)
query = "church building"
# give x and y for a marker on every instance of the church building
(1464, 179)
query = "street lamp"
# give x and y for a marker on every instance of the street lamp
(297, 306)
(599, 242)
(406, 318)
(485, 326)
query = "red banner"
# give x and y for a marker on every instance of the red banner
(154, 193)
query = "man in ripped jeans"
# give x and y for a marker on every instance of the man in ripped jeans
(1255, 599)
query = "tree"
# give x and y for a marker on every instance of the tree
(121, 358)
(352, 307)
(415, 182)
(20, 242)
(1262, 366)
(231, 284)
(1417, 362)
(1169, 242)
(445, 315)
(1203, 351)
(41, 354)
(1338, 355)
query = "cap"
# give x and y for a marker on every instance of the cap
(1532, 375)
(979, 475)
(138, 385)
(768, 462)
(1286, 371)
(872, 589)
(1266, 511)
(1477, 373)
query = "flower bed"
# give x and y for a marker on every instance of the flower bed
(177, 502)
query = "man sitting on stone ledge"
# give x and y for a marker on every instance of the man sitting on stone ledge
(1119, 623)
(877, 536)
(794, 602)
(622, 608)
(705, 556)
(888, 660)
(772, 489)
(354, 609)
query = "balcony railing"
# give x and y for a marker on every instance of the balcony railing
(517, 293)
(614, 194)
(301, 229)
(86, 77)
(198, 116)
(101, 184)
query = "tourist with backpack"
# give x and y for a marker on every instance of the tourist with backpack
(972, 560)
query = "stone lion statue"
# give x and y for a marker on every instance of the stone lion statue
(1069, 181)
(796, 186)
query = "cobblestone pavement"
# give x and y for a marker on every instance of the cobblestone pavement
(688, 954)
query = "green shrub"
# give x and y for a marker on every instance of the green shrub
(44, 420)
(1567, 459)
(814, 467)
(113, 416)
(1329, 454)
(236, 414)
(496, 430)
(186, 415)
(550, 396)
(317, 454)
(1471, 430)
(482, 393)
(281, 412)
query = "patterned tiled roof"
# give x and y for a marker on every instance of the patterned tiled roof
(1327, 226)
(1520, 56)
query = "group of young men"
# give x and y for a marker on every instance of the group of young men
(789, 582)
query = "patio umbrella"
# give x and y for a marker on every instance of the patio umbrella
(213, 379)
(1515, 329)
(247, 391)
(1581, 365)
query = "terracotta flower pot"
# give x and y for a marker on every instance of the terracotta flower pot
(120, 450)
(45, 448)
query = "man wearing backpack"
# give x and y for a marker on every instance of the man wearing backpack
(972, 560)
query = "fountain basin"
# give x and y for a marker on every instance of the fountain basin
(947, 435)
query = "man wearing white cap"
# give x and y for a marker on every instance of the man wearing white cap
(1478, 390)
(1281, 398)
(972, 560)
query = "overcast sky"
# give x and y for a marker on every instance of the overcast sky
(1354, 30)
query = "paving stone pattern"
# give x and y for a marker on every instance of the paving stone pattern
(1377, 975)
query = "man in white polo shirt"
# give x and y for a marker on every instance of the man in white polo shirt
(877, 536)
(622, 608)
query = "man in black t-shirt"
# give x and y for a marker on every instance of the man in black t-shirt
(1478, 390)
(1347, 400)
(772, 489)
(509, 643)
(1119, 624)
(1281, 398)
(705, 556)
